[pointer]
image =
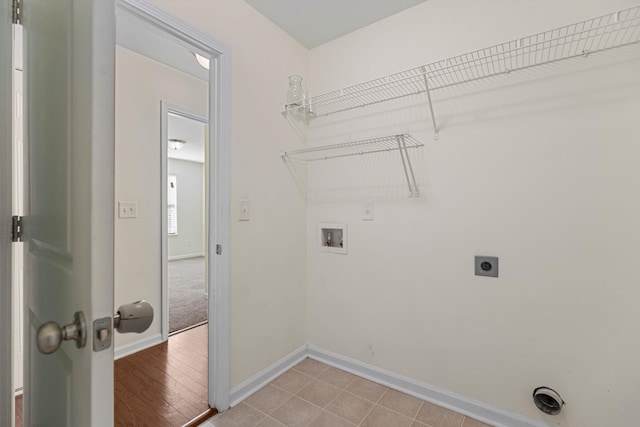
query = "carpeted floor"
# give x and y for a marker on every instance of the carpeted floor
(187, 297)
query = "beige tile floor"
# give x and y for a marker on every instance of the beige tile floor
(312, 394)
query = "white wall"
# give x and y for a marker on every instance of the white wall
(141, 84)
(190, 191)
(268, 262)
(543, 174)
(538, 174)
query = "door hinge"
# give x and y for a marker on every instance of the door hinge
(17, 11)
(218, 249)
(16, 229)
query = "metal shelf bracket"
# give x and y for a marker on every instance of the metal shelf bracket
(408, 169)
(433, 116)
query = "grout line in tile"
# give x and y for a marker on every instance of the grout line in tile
(376, 403)
(300, 372)
(297, 370)
(396, 412)
(340, 390)
(312, 419)
(360, 397)
(308, 401)
(253, 407)
(268, 414)
(415, 416)
(334, 398)
(261, 419)
(366, 415)
(279, 388)
(335, 415)
(282, 424)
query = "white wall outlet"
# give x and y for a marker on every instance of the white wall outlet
(367, 211)
(127, 209)
(244, 212)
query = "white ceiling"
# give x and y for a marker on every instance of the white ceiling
(315, 22)
(311, 22)
(190, 130)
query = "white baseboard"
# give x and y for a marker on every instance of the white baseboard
(256, 382)
(137, 346)
(464, 405)
(185, 256)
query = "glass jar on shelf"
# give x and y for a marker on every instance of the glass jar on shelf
(295, 92)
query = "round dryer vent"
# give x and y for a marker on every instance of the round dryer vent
(548, 400)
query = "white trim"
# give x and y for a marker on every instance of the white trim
(165, 109)
(219, 182)
(219, 227)
(456, 402)
(164, 222)
(134, 347)
(6, 289)
(264, 377)
(185, 256)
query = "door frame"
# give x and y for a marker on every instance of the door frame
(219, 184)
(6, 291)
(167, 108)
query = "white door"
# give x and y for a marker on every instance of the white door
(6, 386)
(68, 226)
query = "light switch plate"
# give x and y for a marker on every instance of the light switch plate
(244, 212)
(127, 209)
(367, 211)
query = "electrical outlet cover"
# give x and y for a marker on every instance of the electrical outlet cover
(244, 212)
(367, 211)
(486, 266)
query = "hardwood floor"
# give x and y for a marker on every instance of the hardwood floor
(19, 420)
(165, 385)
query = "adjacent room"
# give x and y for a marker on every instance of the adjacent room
(162, 130)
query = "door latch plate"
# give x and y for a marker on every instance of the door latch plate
(102, 333)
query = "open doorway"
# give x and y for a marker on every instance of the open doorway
(217, 106)
(156, 67)
(185, 288)
(158, 220)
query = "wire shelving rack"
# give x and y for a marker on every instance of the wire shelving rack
(401, 143)
(580, 39)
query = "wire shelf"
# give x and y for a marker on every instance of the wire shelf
(581, 39)
(401, 143)
(354, 148)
